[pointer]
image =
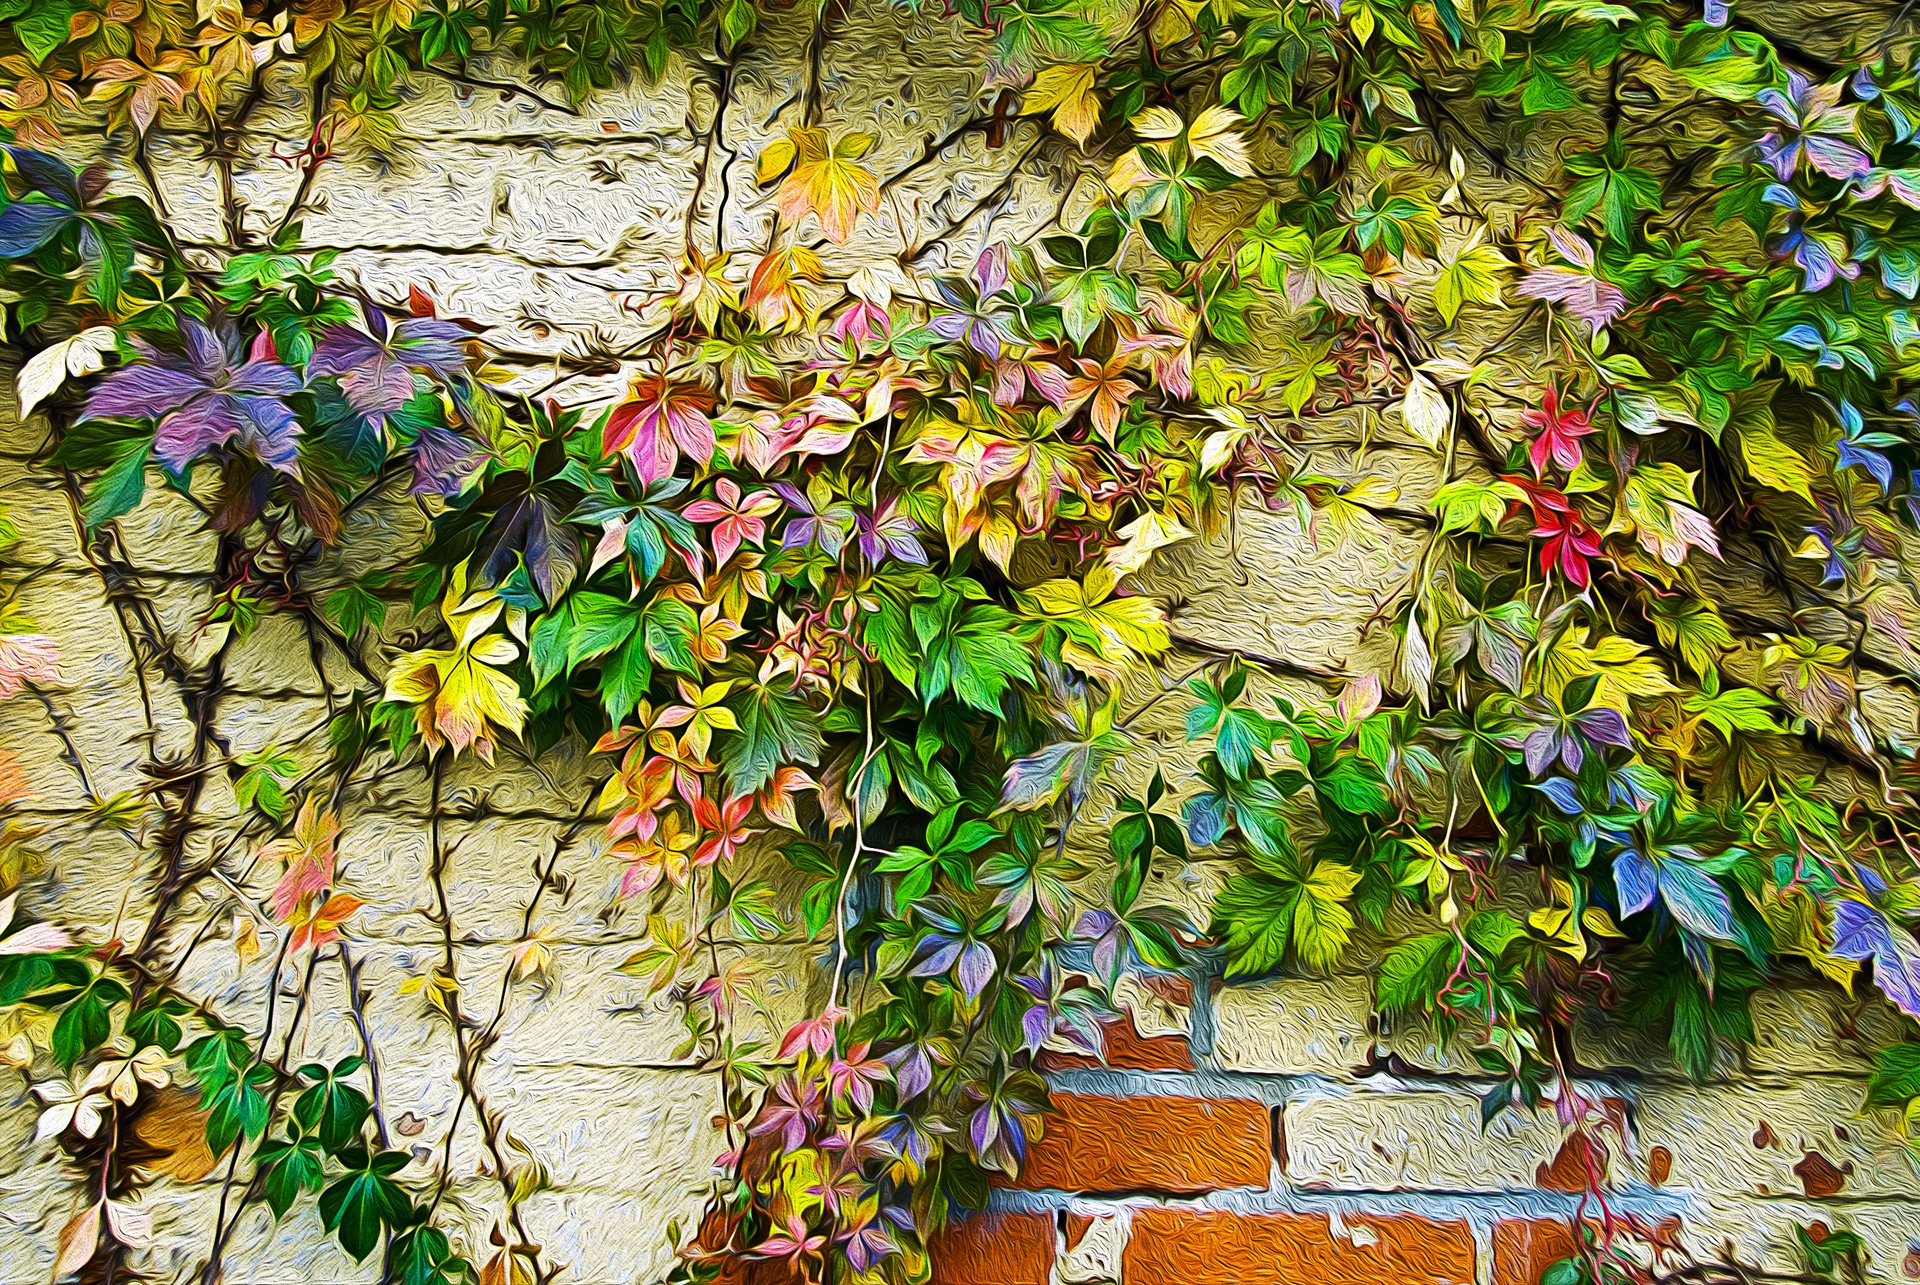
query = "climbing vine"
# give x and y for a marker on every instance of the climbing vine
(847, 578)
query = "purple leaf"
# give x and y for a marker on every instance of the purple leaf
(207, 397)
(1637, 881)
(976, 968)
(442, 461)
(376, 371)
(1861, 932)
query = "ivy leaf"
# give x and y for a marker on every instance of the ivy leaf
(364, 1199)
(1475, 507)
(290, 1170)
(1413, 973)
(661, 420)
(86, 1020)
(1896, 1076)
(120, 488)
(1613, 189)
(1239, 734)
(1103, 635)
(1066, 90)
(1471, 276)
(824, 179)
(1771, 461)
(776, 730)
(586, 626)
(668, 627)
(331, 1109)
(1260, 914)
(1860, 932)
(1064, 767)
(238, 1106)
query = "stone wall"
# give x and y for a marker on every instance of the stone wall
(1267, 1134)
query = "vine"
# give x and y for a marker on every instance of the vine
(850, 574)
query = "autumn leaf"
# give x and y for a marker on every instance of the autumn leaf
(1066, 90)
(1103, 635)
(78, 1240)
(822, 178)
(316, 922)
(661, 419)
(27, 658)
(463, 694)
(307, 853)
(1656, 504)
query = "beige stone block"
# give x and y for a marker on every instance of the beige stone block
(1760, 1233)
(1804, 1138)
(1266, 585)
(1802, 1029)
(1298, 1026)
(614, 1129)
(1416, 1041)
(1412, 1140)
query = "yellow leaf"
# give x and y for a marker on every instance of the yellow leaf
(826, 183)
(1141, 537)
(1066, 90)
(775, 159)
(246, 938)
(1771, 461)
(1213, 134)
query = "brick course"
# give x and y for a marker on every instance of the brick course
(1155, 1143)
(995, 1249)
(1126, 1050)
(1217, 1247)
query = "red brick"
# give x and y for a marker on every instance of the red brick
(994, 1249)
(1218, 1247)
(1151, 1143)
(1525, 1247)
(1127, 1050)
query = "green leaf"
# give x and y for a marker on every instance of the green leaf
(331, 1110)
(358, 1204)
(238, 1106)
(777, 729)
(668, 627)
(290, 1170)
(86, 1021)
(353, 607)
(1771, 461)
(1413, 973)
(119, 489)
(45, 26)
(1473, 276)
(1896, 1076)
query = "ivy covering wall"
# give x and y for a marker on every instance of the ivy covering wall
(745, 472)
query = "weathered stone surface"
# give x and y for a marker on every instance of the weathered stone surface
(1293, 1027)
(1415, 1140)
(1801, 1029)
(549, 229)
(1798, 1140)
